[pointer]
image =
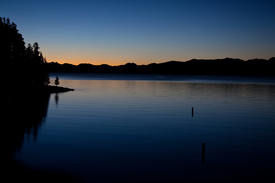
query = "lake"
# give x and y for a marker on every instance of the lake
(141, 128)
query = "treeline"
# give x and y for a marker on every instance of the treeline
(21, 65)
(227, 66)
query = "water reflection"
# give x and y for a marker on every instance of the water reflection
(143, 130)
(56, 98)
(24, 114)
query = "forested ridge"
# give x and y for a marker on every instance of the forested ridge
(226, 66)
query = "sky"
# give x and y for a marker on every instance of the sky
(116, 32)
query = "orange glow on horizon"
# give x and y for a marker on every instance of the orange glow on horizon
(116, 55)
(80, 60)
(112, 58)
(145, 59)
(111, 62)
(73, 62)
(96, 62)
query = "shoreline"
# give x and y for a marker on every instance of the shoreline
(56, 89)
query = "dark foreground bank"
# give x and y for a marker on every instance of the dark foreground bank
(15, 172)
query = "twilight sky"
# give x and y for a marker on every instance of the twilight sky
(115, 32)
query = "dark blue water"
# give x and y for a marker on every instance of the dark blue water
(127, 128)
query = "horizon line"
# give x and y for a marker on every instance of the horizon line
(88, 63)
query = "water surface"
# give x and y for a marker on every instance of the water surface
(121, 128)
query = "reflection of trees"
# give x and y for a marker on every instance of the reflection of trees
(24, 113)
(56, 98)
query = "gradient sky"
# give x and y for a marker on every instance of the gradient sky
(115, 32)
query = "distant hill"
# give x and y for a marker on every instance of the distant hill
(227, 66)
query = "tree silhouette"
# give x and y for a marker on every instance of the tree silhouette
(19, 61)
(56, 82)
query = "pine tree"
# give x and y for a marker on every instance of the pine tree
(56, 82)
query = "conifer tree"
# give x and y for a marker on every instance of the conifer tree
(56, 82)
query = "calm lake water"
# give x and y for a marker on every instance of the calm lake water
(140, 128)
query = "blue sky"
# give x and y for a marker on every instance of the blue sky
(145, 31)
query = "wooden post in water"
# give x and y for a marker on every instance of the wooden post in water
(192, 111)
(203, 152)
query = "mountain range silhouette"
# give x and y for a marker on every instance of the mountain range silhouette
(226, 66)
